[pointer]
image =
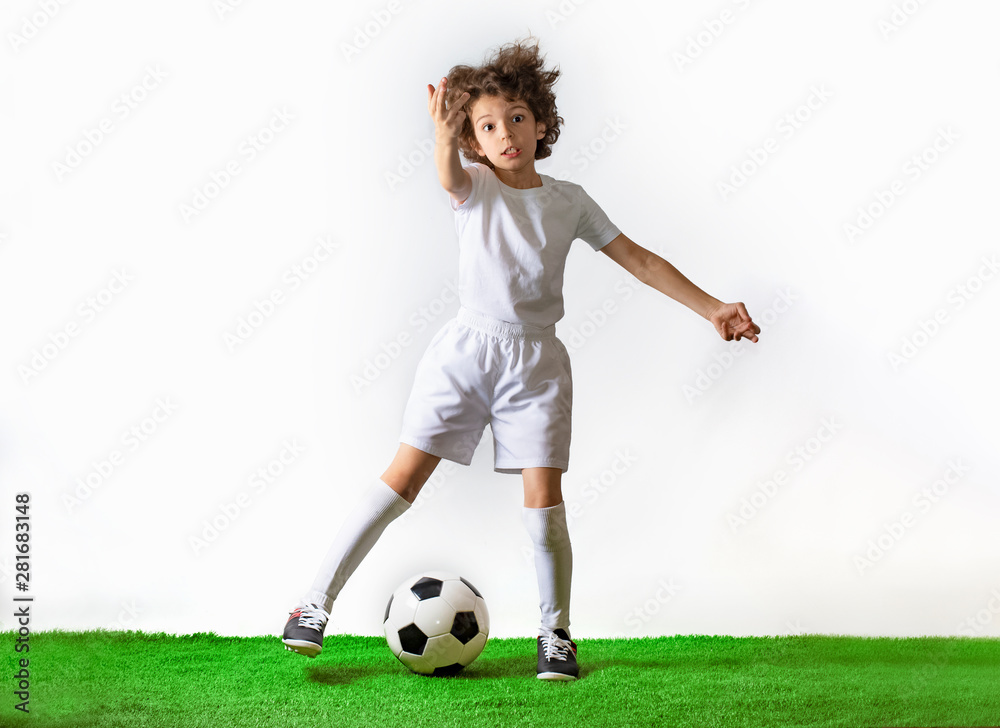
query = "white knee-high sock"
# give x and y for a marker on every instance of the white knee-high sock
(553, 562)
(378, 507)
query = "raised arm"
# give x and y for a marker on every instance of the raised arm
(447, 125)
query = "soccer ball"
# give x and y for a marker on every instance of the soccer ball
(436, 623)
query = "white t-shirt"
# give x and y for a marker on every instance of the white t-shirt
(513, 244)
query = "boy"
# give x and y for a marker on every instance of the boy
(499, 361)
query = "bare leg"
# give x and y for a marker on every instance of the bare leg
(409, 470)
(542, 487)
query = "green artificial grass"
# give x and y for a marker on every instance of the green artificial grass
(100, 678)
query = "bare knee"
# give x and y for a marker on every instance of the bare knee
(542, 487)
(409, 470)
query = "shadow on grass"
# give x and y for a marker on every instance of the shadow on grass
(346, 674)
(499, 668)
(506, 668)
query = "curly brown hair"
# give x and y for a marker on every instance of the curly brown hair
(515, 72)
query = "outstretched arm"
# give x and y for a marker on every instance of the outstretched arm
(731, 320)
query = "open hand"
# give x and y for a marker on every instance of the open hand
(732, 321)
(447, 122)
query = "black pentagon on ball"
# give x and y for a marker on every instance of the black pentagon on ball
(474, 590)
(448, 671)
(387, 606)
(465, 626)
(427, 588)
(412, 639)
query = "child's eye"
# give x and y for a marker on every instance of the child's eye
(516, 116)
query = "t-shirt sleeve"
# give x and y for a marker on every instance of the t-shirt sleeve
(594, 226)
(476, 174)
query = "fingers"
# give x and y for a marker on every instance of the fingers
(731, 330)
(440, 101)
(445, 117)
(455, 108)
(435, 98)
(749, 329)
(456, 112)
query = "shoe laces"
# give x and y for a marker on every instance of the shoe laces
(313, 616)
(555, 647)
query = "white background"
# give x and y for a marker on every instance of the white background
(676, 432)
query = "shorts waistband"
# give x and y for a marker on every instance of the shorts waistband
(503, 329)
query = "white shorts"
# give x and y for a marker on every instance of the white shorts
(478, 370)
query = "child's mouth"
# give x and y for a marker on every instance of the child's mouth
(512, 154)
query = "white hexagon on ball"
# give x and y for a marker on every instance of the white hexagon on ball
(443, 650)
(459, 596)
(434, 616)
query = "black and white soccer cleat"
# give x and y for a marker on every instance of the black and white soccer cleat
(304, 630)
(557, 656)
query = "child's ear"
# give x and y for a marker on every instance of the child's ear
(541, 129)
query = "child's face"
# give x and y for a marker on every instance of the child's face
(500, 124)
